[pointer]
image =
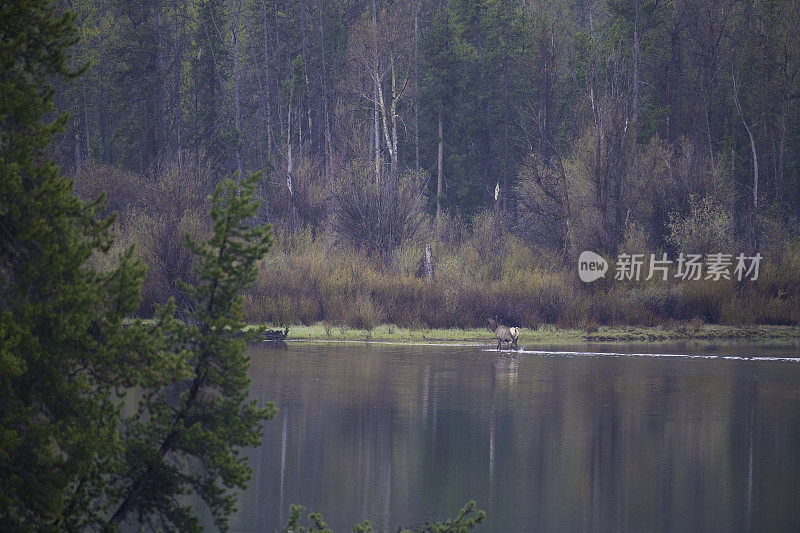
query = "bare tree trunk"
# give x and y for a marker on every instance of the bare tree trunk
(298, 112)
(376, 89)
(599, 173)
(505, 136)
(289, 161)
(251, 39)
(267, 81)
(85, 118)
(304, 48)
(548, 69)
(277, 50)
(672, 79)
(754, 228)
(708, 127)
(237, 6)
(157, 139)
(565, 203)
(180, 43)
(427, 266)
(261, 90)
(393, 109)
(213, 86)
(382, 105)
(196, 118)
(105, 142)
(305, 69)
(416, 85)
(732, 192)
(105, 136)
(439, 162)
(484, 107)
(77, 152)
(636, 54)
(391, 139)
(765, 125)
(782, 145)
(179, 123)
(325, 116)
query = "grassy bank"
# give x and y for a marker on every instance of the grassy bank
(547, 334)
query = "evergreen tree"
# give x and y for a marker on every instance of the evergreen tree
(212, 135)
(637, 28)
(63, 351)
(66, 359)
(440, 87)
(185, 438)
(140, 83)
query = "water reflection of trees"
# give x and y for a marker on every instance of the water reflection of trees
(400, 435)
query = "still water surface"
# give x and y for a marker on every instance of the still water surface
(551, 442)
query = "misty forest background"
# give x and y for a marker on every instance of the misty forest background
(508, 136)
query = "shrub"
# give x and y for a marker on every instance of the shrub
(305, 279)
(155, 215)
(377, 218)
(363, 313)
(706, 229)
(705, 300)
(779, 275)
(123, 189)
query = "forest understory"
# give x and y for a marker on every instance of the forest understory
(482, 269)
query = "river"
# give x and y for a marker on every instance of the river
(561, 440)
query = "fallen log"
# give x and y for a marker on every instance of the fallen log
(276, 335)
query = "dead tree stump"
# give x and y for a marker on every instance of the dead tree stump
(425, 266)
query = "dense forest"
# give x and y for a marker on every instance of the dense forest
(508, 135)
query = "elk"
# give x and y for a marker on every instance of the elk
(504, 334)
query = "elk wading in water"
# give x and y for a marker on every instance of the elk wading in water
(504, 334)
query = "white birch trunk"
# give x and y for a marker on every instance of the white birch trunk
(236, 87)
(754, 227)
(375, 121)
